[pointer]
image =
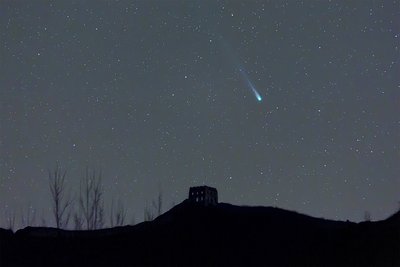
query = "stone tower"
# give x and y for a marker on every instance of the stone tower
(204, 195)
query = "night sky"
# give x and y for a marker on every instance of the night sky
(163, 95)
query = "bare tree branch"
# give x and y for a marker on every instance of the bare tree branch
(78, 221)
(61, 201)
(91, 200)
(43, 220)
(28, 218)
(156, 210)
(148, 214)
(133, 219)
(160, 201)
(117, 218)
(10, 219)
(367, 216)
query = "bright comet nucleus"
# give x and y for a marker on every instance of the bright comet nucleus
(258, 96)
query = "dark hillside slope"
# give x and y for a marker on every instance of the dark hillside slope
(190, 234)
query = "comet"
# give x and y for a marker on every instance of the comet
(230, 55)
(250, 84)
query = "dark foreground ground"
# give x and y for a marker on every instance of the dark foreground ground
(224, 234)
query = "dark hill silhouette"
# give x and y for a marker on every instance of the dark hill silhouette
(191, 234)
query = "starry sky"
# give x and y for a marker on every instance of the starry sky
(160, 96)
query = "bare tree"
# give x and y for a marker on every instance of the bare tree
(61, 200)
(148, 214)
(99, 222)
(367, 216)
(98, 205)
(155, 210)
(159, 203)
(10, 219)
(117, 217)
(133, 219)
(91, 200)
(28, 217)
(43, 221)
(78, 221)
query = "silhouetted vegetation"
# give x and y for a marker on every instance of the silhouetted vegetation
(155, 210)
(222, 235)
(367, 216)
(28, 217)
(189, 234)
(10, 219)
(91, 203)
(84, 211)
(60, 199)
(117, 216)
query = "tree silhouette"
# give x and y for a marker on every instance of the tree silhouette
(78, 221)
(28, 218)
(10, 219)
(159, 203)
(61, 201)
(43, 221)
(148, 214)
(117, 217)
(91, 202)
(156, 210)
(367, 216)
